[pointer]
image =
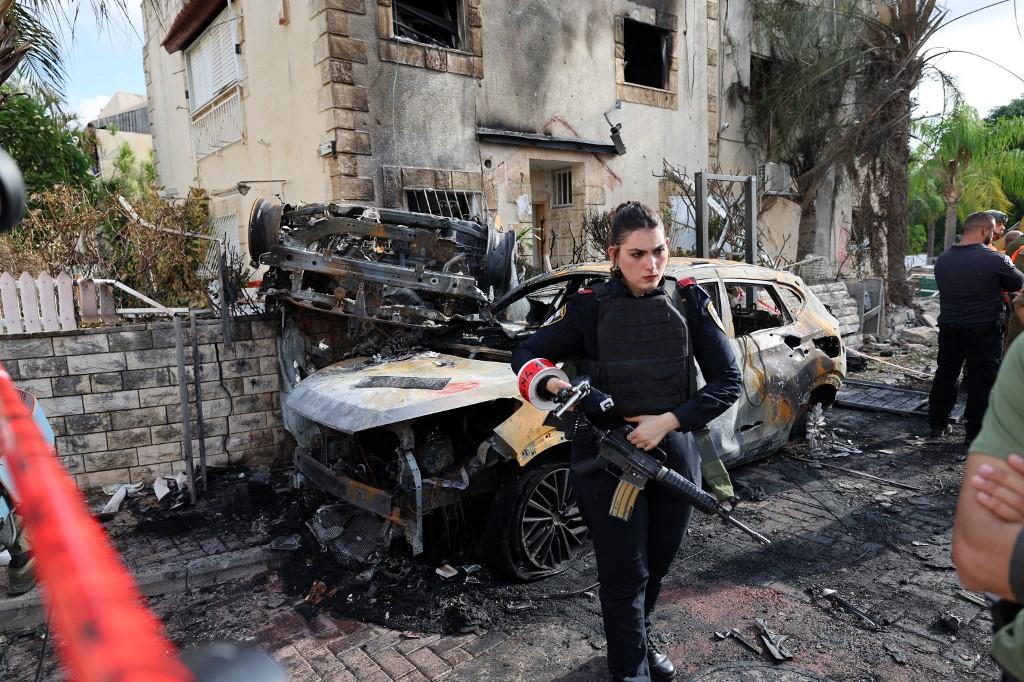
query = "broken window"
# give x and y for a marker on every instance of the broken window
(755, 307)
(446, 203)
(561, 188)
(648, 54)
(433, 22)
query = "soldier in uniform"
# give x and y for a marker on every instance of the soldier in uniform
(634, 336)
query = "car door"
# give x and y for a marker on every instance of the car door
(771, 349)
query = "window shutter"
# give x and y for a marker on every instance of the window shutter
(212, 62)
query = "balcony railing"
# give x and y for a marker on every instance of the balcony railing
(218, 125)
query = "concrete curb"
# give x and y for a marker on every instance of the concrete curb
(27, 610)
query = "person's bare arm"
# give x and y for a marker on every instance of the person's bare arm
(982, 542)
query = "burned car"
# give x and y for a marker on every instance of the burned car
(396, 333)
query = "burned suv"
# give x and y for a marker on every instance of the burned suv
(396, 333)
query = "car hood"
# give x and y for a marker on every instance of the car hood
(348, 397)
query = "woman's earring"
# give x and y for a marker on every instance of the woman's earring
(615, 268)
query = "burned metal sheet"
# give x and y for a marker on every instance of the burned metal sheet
(329, 396)
(871, 396)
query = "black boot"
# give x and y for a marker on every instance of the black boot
(659, 663)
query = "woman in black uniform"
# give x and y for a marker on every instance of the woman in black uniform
(634, 335)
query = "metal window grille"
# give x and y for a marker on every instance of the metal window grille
(212, 62)
(561, 188)
(218, 126)
(446, 203)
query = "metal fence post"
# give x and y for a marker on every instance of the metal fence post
(197, 382)
(700, 204)
(750, 219)
(186, 417)
(225, 304)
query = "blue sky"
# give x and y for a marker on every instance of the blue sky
(993, 34)
(100, 64)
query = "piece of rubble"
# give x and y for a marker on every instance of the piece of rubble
(446, 571)
(286, 543)
(926, 336)
(773, 643)
(113, 505)
(161, 487)
(952, 621)
(929, 320)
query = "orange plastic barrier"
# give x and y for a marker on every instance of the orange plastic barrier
(104, 632)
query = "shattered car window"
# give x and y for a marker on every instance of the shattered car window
(755, 307)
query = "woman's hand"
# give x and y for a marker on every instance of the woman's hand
(1001, 491)
(651, 429)
(554, 385)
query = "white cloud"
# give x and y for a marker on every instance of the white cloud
(88, 108)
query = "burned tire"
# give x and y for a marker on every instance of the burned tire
(535, 528)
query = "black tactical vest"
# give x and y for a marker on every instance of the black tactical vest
(643, 346)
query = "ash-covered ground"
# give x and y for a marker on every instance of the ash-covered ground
(883, 548)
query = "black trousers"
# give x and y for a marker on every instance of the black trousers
(980, 346)
(634, 556)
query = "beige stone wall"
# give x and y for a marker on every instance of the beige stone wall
(111, 396)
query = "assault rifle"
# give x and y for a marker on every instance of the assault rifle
(631, 465)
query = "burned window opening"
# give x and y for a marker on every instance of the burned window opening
(648, 53)
(445, 203)
(432, 22)
(755, 307)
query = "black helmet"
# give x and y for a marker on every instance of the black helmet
(998, 216)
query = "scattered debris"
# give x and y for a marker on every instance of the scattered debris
(952, 621)
(286, 543)
(161, 488)
(773, 642)
(318, 592)
(738, 636)
(584, 592)
(841, 603)
(113, 505)
(130, 488)
(910, 372)
(972, 597)
(854, 472)
(446, 571)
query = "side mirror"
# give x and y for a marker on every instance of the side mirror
(12, 193)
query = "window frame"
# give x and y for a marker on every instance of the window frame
(667, 49)
(460, 26)
(225, 22)
(556, 177)
(769, 286)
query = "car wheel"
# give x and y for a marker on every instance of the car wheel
(535, 528)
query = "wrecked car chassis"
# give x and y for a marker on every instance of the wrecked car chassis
(396, 333)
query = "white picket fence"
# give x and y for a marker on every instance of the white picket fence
(36, 304)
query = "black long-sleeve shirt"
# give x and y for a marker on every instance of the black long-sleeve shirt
(971, 280)
(574, 334)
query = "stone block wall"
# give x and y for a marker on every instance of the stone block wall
(111, 395)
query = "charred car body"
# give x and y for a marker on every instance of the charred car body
(396, 332)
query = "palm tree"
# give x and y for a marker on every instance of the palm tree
(974, 161)
(33, 33)
(925, 204)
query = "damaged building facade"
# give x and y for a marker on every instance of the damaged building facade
(499, 110)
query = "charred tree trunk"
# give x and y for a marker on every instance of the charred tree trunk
(930, 246)
(808, 232)
(897, 158)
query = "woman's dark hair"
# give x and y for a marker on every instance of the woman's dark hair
(629, 217)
